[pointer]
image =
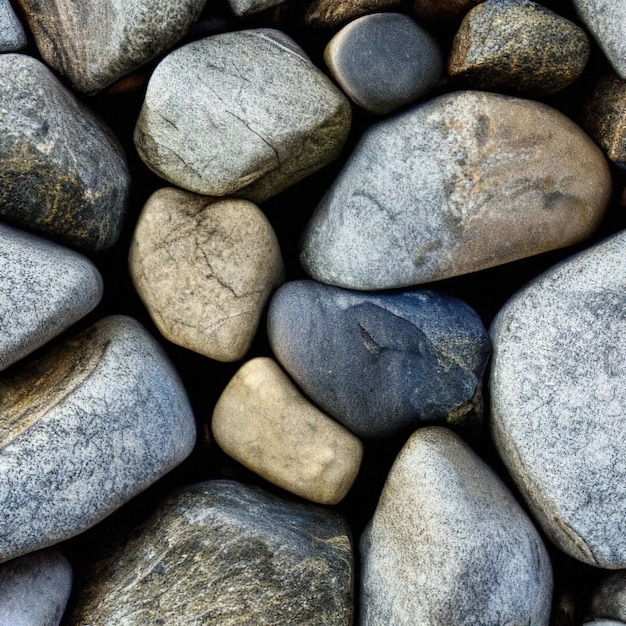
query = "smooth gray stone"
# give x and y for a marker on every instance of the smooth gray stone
(34, 589)
(12, 35)
(609, 598)
(558, 396)
(84, 428)
(242, 113)
(44, 289)
(62, 172)
(224, 554)
(449, 544)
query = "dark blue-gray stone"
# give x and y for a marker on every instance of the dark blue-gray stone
(380, 363)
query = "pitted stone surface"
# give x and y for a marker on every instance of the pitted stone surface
(12, 35)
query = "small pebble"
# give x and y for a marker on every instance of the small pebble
(12, 35)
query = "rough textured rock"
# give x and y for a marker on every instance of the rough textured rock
(463, 182)
(442, 9)
(95, 43)
(34, 589)
(335, 13)
(204, 268)
(242, 8)
(44, 289)
(384, 61)
(380, 363)
(518, 45)
(448, 544)
(223, 553)
(12, 35)
(604, 622)
(61, 171)
(270, 117)
(263, 422)
(609, 599)
(558, 392)
(83, 429)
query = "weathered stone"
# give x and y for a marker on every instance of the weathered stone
(604, 622)
(94, 43)
(242, 8)
(609, 598)
(463, 182)
(34, 589)
(262, 421)
(380, 363)
(223, 553)
(443, 9)
(384, 61)
(269, 116)
(83, 429)
(335, 13)
(44, 289)
(12, 35)
(518, 45)
(61, 171)
(558, 392)
(204, 268)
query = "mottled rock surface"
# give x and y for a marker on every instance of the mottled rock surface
(558, 392)
(442, 9)
(94, 43)
(83, 429)
(262, 421)
(448, 544)
(12, 35)
(609, 598)
(335, 13)
(270, 117)
(221, 553)
(380, 363)
(34, 589)
(242, 8)
(61, 171)
(384, 61)
(204, 268)
(463, 182)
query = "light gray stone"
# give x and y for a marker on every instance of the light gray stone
(242, 113)
(558, 392)
(604, 622)
(461, 183)
(448, 544)
(241, 8)
(44, 289)
(84, 428)
(34, 589)
(12, 35)
(94, 43)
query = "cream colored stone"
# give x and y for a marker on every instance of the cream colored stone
(263, 421)
(204, 268)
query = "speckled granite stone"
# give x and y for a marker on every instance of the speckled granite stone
(12, 35)
(380, 363)
(61, 171)
(558, 392)
(84, 428)
(609, 598)
(448, 544)
(34, 589)
(463, 182)
(224, 554)
(335, 13)
(44, 289)
(269, 116)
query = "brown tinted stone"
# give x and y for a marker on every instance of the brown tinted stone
(442, 9)
(606, 117)
(335, 13)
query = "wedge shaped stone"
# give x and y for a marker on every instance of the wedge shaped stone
(12, 35)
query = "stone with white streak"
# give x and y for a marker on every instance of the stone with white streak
(12, 35)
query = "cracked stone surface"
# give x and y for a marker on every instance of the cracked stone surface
(84, 428)
(94, 43)
(223, 553)
(381, 363)
(461, 183)
(263, 421)
(204, 268)
(34, 589)
(449, 544)
(62, 173)
(558, 392)
(44, 289)
(12, 35)
(268, 116)
(609, 598)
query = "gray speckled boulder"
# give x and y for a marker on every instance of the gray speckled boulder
(463, 182)
(609, 598)
(44, 289)
(226, 554)
(242, 113)
(61, 171)
(34, 589)
(94, 43)
(83, 429)
(448, 544)
(380, 363)
(12, 35)
(558, 393)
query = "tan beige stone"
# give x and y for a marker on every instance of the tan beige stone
(204, 268)
(263, 421)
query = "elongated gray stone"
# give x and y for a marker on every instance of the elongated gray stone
(558, 394)
(44, 289)
(12, 35)
(83, 429)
